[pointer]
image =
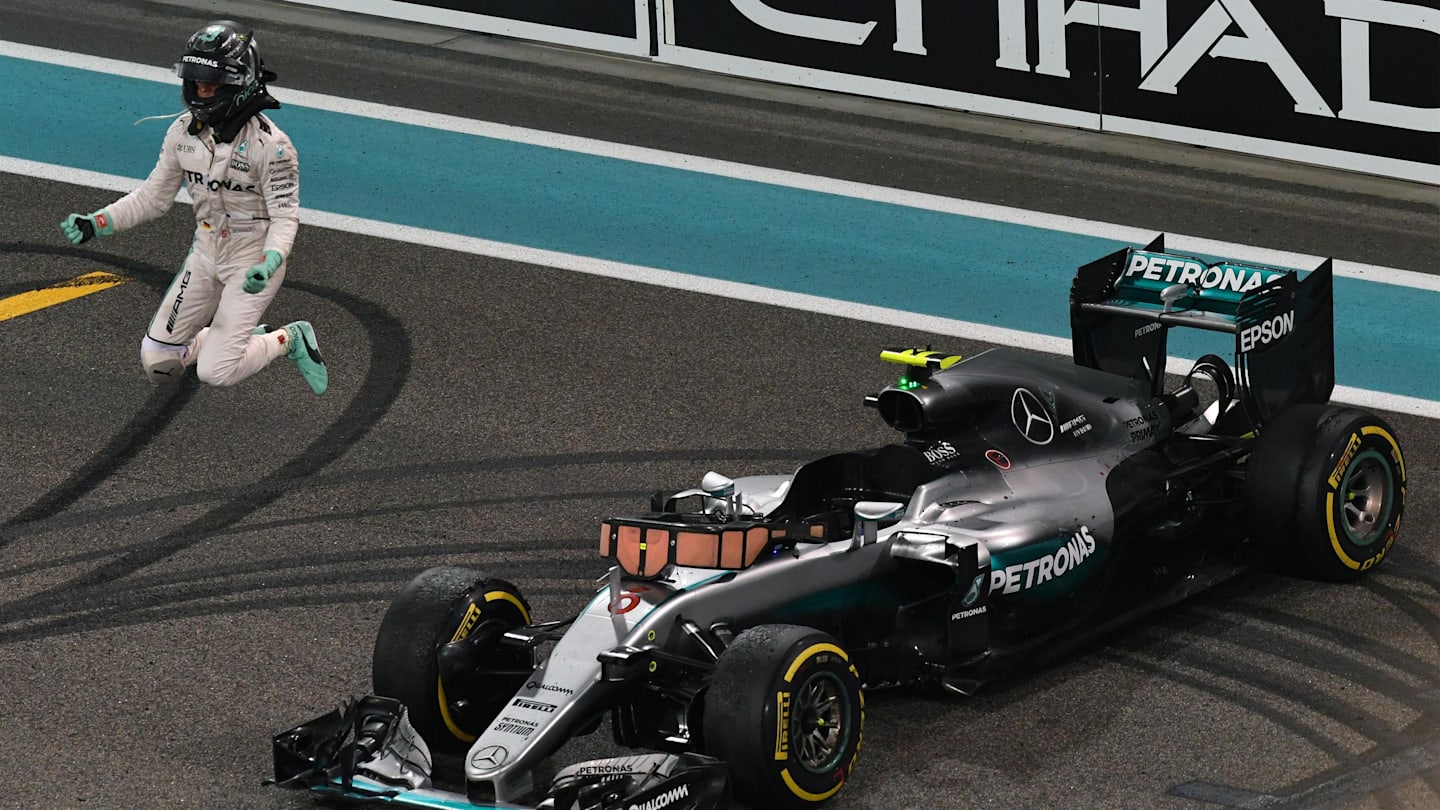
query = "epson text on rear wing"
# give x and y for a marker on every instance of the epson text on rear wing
(1122, 307)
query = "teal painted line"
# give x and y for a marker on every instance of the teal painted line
(908, 259)
(377, 792)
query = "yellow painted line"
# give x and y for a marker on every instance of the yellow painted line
(26, 302)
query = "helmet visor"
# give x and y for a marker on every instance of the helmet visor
(201, 68)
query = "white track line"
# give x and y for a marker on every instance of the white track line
(928, 324)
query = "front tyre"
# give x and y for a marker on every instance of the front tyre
(438, 652)
(1327, 485)
(785, 711)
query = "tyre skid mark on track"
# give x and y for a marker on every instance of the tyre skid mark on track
(1431, 779)
(71, 520)
(120, 589)
(60, 563)
(389, 365)
(50, 613)
(196, 609)
(313, 561)
(261, 594)
(282, 573)
(155, 415)
(1410, 607)
(1414, 672)
(1235, 697)
(1392, 657)
(1279, 687)
(1388, 687)
(1376, 774)
(1395, 756)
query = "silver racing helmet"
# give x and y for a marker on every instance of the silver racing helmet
(224, 53)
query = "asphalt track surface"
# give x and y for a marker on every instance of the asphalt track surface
(188, 570)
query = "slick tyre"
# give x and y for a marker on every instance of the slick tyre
(785, 711)
(1325, 490)
(438, 652)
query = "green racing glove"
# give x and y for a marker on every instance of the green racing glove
(79, 228)
(258, 276)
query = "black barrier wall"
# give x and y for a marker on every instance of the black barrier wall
(617, 26)
(613, 17)
(1353, 84)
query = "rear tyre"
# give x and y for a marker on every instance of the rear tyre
(456, 615)
(784, 710)
(1325, 490)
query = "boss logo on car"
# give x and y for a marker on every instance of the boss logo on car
(942, 453)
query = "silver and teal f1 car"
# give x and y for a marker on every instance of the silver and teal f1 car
(1029, 503)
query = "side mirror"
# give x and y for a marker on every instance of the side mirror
(868, 515)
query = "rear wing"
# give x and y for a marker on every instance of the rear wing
(1123, 306)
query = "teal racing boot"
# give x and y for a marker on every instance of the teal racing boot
(305, 351)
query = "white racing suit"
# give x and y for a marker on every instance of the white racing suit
(247, 200)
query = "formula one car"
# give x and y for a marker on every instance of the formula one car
(1031, 503)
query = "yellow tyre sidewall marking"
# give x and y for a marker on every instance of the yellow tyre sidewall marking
(1369, 430)
(800, 660)
(461, 632)
(805, 794)
(810, 652)
(506, 596)
(455, 729)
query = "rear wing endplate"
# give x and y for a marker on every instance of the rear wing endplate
(1122, 307)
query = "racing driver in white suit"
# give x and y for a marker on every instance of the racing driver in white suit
(243, 176)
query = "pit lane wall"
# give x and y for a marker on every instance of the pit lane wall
(1350, 84)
